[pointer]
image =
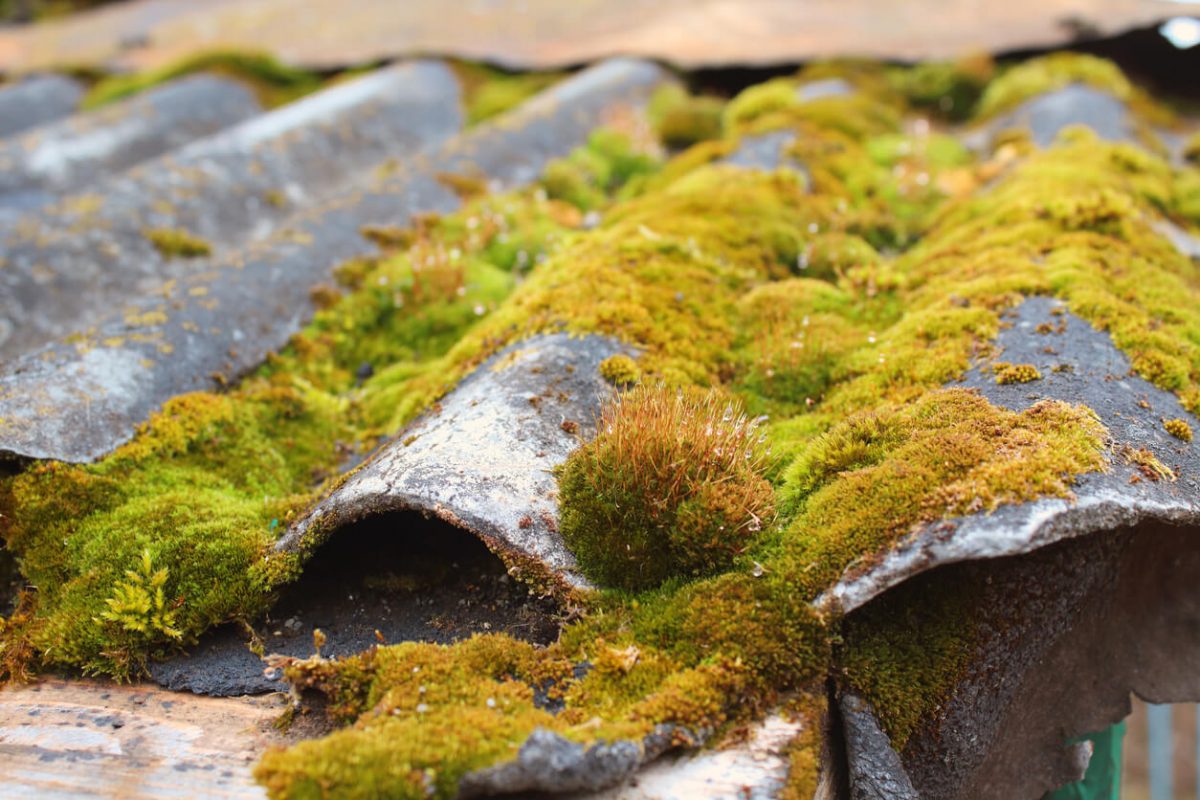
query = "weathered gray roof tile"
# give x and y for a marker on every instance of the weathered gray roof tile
(73, 152)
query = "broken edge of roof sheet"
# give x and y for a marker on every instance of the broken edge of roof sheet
(1085, 367)
(483, 458)
(76, 402)
(1065, 635)
(68, 265)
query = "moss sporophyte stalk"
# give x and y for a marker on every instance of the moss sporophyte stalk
(840, 299)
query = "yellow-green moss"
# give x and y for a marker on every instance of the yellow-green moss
(620, 370)
(177, 243)
(949, 88)
(212, 480)
(1015, 373)
(1191, 149)
(807, 300)
(1036, 76)
(1179, 428)
(273, 82)
(200, 495)
(589, 176)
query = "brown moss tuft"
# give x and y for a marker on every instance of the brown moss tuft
(669, 487)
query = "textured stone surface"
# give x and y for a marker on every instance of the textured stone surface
(35, 101)
(1082, 365)
(547, 762)
(755, 768)
(72, 263)
(533, 33)
(76, 402)
(70, 153)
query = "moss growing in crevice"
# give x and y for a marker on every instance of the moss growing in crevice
(907, 650)
(489, 91)
(274, 82)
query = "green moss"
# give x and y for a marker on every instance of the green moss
(212, 480)
(489, 91)
(273, 82)
(1037, 76)
(681, 120)
(669, 487)
(907, 650)
(177, 243)
(804, 300)
(1179, 428)
(187, 497)
(949, 88)
(592, 174)
(759, 101)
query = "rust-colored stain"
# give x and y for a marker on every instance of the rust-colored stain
(550, 33)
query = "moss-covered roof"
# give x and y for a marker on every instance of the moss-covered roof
(710, 402)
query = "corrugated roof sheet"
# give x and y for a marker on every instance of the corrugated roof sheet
(103, 329)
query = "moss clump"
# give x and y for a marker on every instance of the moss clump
(190, 507)
(620, 370)
(593, 173)
(949, 88)
(439, 714)
(759, 101)
(1048, 73)
(1015, 373)
(177, 243)
(681, 120)
(1179, 428)
(273, 82)
(874, 476)
(670, 487)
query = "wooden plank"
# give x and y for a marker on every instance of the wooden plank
(92, 739)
